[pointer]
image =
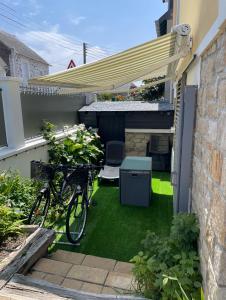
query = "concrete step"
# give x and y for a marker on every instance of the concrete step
(85, 273)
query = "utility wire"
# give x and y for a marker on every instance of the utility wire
(78, 41)
(93, 52)
(40, 37)
(10, 8)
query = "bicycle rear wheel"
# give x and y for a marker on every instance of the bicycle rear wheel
(39, 211)
(76, 218)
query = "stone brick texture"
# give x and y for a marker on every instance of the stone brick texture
(209, 169)
(36, 68)
(136, 143)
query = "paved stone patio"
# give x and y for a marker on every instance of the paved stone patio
(85, 273)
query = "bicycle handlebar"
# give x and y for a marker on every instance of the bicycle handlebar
(61, 167)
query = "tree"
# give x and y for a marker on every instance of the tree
(152, 93)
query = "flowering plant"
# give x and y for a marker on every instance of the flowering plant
(80, 146)
(120, 98)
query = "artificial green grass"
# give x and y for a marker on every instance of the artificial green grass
(115, 231)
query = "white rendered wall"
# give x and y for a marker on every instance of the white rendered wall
(21, 161)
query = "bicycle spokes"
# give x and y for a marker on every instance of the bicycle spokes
(76, 219)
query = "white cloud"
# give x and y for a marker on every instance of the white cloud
(57, 48)
(77, 20)
(35, 8)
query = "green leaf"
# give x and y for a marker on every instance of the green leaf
(165, 281)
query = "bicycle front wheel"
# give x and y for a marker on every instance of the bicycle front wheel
(39, 211)
(90, 186)
(76, 219)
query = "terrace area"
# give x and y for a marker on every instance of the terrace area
(109, 251)
(115, 231)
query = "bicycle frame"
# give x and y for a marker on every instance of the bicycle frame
(79, 178)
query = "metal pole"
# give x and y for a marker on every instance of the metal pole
(84, 52)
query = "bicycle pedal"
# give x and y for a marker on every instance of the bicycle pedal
(94, 203)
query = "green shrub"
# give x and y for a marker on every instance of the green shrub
(17, 193)
(185, 231)
(166, 268)
(81, 146)
(9, 222)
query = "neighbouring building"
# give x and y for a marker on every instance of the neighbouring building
(200, 138)
(165, 22)
(163, 26)
(18, 60)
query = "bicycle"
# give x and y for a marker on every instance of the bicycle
(78, 207)
(77, 184)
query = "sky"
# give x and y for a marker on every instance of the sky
(56, 29)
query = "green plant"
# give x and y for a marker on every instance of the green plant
(185, 231)
(9, 222)
(81, 146)
(154, 92)
(162, 259)
(104, 96)
(16, 192)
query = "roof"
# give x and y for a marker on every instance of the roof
(109, 106)
(137, 63)
(12, 42)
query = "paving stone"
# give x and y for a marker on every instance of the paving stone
(53, 278)
(99, 262)
(93, 275)
(68, 257)
(52, 266)
(119, 280)
(123, 267)
(109, 291)
(91, 288)
(5, 297)
(72, 284)
(10, 296)
(36, 274)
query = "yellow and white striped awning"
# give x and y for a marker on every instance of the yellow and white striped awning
(151, 59)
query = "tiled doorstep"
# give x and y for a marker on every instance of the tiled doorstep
(115, 283)
(85, 272)
(92, 261)
(52, 266)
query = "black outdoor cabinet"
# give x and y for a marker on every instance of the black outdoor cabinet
(135, 181)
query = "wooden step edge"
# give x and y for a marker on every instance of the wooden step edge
(20, 261)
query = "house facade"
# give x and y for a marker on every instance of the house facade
(163, 26)
(201, 80)
(18, 60)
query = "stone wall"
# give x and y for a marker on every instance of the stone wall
(35, 68)
(209, 169)
(136, 143)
